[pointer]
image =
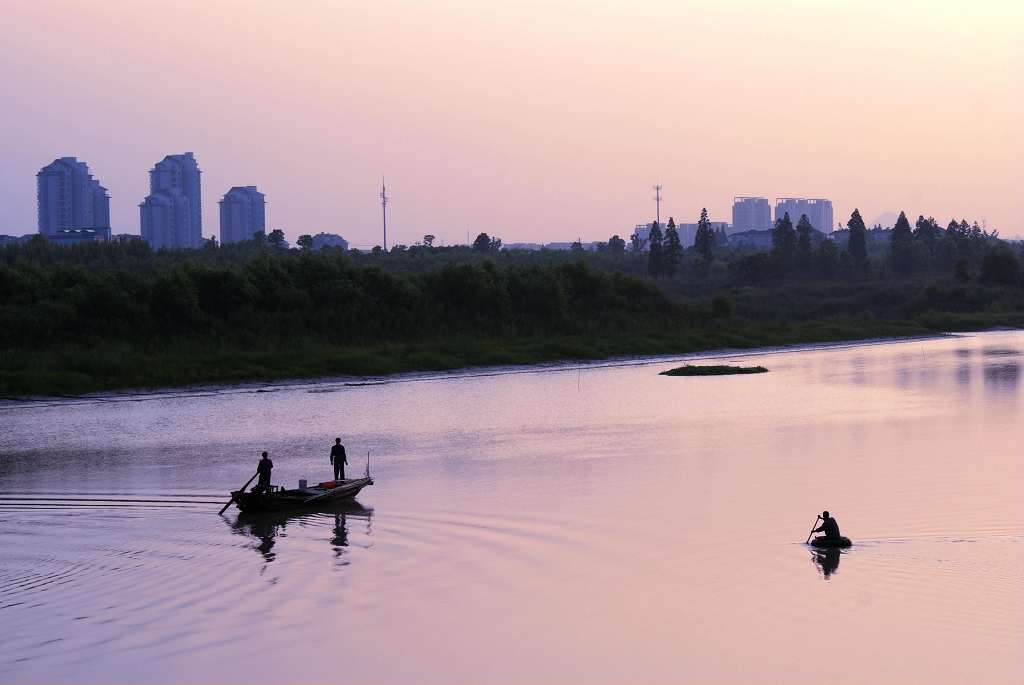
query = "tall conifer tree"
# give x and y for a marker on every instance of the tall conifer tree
(804, 248)
(656, 255)
(673, 248)
(902, 246)
(784, 240)
(858, 244)
(704, 241)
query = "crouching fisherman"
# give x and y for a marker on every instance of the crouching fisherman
(263, 469)
(829, 527)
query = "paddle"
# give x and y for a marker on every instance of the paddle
(816, 519)
(241, 489)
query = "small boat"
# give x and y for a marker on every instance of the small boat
(822, 542)
(300, 498)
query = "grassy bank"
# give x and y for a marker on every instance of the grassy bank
(118, 316)
(122, 366)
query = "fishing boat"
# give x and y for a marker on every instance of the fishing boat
(280, 499)
(822, 542)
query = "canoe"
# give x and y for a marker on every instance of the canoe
(300, 498)
(830, 543)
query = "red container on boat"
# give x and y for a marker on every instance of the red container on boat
(327, 484)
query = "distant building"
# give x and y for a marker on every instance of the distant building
(243, 214)
(751, 214)
(687, 232)
(166, 221)
(322, 240)
(530, 247)
(77, 236)
(818, 211)
(757, 240)
(171, 216)
(69, 197)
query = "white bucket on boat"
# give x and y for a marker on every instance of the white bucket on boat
(302, 484)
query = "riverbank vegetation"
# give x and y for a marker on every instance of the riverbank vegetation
(119, 315)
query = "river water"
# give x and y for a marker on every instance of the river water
(598, 524)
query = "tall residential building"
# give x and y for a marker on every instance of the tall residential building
(70, 198)
(751, 214)
(166, 221)
(172, 214)
(242, 214)
(818, 211)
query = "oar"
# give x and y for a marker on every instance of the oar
(816, 519)
(241, 489)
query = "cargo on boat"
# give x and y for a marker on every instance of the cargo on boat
(279, 499)
(822, 542)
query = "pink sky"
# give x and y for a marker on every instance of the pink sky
(532, 121)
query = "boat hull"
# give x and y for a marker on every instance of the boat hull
(303, 498)
(830, 543)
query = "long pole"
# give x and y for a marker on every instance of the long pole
(816, 519)
(232, 500)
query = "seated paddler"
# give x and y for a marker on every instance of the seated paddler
(828, 526)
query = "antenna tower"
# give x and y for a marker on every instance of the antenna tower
(657, 204)
(384, 210)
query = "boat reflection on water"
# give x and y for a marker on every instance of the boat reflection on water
(827, 560)
(266, 527)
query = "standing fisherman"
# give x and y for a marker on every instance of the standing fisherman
(264, 468)
(339, 459)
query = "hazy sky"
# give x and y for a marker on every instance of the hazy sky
(530, 120)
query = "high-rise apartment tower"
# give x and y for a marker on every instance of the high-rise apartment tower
(172, 214)
(818, 211)
(242, 214)
(751, 214)
(70, 198)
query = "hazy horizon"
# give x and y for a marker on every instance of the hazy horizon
(531, 122)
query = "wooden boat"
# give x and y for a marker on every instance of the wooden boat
(300, 498)
(822, 542)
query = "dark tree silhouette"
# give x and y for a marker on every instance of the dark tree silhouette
(1000, 267)
(784, 241)
(857, 247)
(927, 232)
(902, 246)
(704, 241)
(305, 241)
(428, 240)
(482, 243)
(616, 245)
(656, 254)
(804, 248)
(673, 248)
(276, 238)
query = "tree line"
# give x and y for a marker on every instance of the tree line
(249, 294)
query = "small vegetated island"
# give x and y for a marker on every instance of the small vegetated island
(120, 315)
(713, 370)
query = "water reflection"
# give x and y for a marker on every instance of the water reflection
(827, 561)
(1002, 378)
(267, 527)
(963, 375)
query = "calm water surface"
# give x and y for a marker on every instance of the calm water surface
(600, 525)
